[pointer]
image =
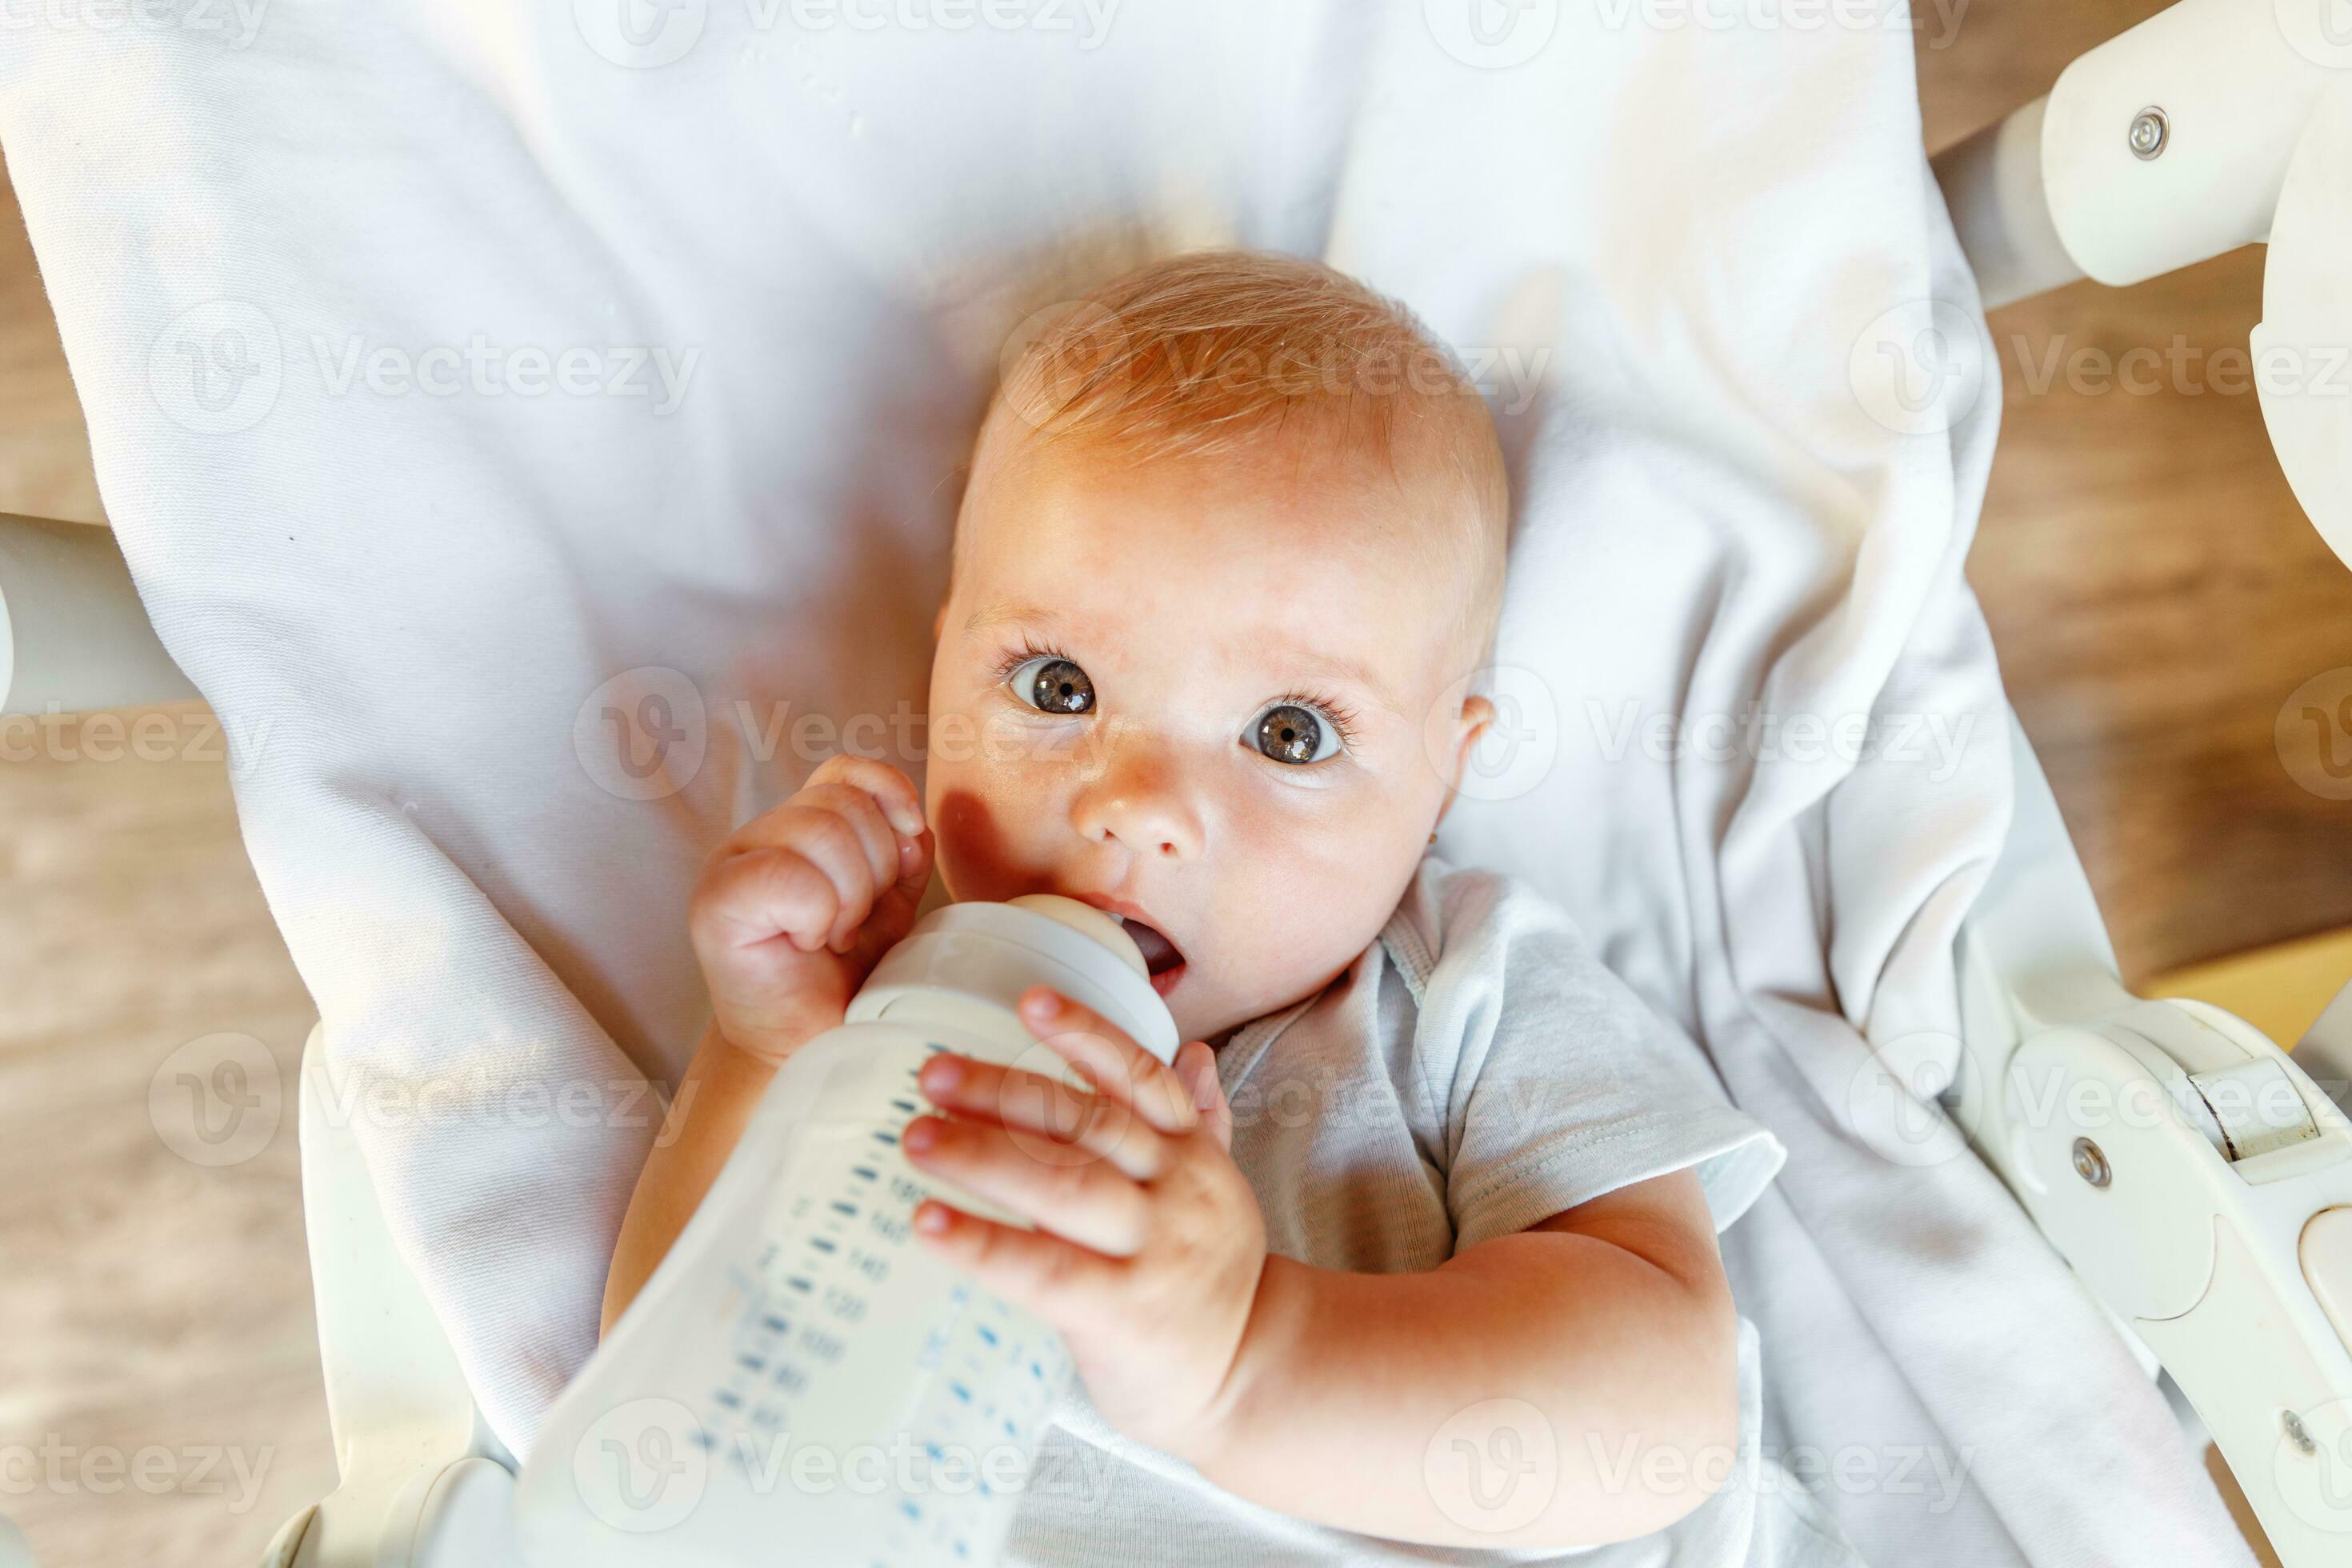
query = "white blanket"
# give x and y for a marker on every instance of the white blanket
(536, 429)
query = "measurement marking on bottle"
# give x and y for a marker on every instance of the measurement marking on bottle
(834, 1248)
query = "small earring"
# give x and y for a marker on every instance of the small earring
(1433, 838)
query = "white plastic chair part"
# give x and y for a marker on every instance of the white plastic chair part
(2303, 342)
(2167, 144)
(2325, 1049)
(1992, 183)
(2230, 83)
(2182, 1163)
(466, 1519)
(424, 1481)
(73, 635)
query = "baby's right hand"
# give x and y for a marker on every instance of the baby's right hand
(793, 909)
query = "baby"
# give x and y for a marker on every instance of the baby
(1413, 1245)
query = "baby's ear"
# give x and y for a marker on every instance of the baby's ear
(1477, 717)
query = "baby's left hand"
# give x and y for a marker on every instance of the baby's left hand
(1149, 1243)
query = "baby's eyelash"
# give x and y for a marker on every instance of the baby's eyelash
(1341, 717)
(1027, 650)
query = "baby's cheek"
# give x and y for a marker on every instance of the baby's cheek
(1303, 900)
(974, 856)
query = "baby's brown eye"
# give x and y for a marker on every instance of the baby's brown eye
(1054, 686)
(1290, 734)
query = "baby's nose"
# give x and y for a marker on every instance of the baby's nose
(1140, 801)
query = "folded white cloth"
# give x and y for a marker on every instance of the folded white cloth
(535, 428)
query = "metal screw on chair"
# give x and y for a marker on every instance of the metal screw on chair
(2297, 1433)
(2091, 1162)
(2150, 130)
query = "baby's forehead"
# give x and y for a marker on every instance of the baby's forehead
(1299, 550)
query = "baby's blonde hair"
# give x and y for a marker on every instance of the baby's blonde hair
(1216, 350)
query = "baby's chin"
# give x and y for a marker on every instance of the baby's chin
(1203, 1012)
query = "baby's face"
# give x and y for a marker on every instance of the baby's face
(1209, 695)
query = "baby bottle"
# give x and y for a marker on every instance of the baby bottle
(801, 1381)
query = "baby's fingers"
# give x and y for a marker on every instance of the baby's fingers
(753, 895)
(1054, 1122)
(828, 839)
(1089, 1201)
(1058, 1281)
(1196, 1069)
(883, 850)
(1109, 1059)
(890, 789)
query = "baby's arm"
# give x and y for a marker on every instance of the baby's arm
(1572, 1385)
(1602, 1338)
(790, 916)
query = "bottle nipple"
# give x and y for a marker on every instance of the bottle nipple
(1087, 920)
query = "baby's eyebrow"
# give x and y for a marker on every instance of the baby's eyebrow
(1010, 613)
(1334, 668)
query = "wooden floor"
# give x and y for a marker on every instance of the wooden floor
(158, 1377)
(2155, 593)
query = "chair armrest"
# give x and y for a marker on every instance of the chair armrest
(73, 635)
(2193, 1174)
(424, 1480)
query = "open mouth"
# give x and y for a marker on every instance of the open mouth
(1161, 959)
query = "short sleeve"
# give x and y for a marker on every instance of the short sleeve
(1560, 1085)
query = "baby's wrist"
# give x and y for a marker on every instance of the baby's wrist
(773, 1042)
(1264, 1371)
